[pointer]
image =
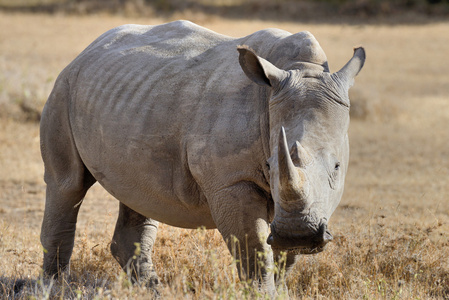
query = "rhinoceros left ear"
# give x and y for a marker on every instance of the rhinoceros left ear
(258, 69)
(352, 67)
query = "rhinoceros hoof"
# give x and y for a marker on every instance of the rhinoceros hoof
(148, 277)
(152, 283)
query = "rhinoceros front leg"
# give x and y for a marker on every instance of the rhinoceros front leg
(132, 245)
(241, 214)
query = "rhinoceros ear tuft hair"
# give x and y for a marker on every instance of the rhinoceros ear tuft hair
(245, 47)
(258, 69)
(360, 53)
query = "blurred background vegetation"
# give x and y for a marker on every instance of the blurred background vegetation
(288, 10)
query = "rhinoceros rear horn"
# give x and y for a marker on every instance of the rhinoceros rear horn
(300, 156)
(352, 67)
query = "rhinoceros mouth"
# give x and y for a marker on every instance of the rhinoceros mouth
(294, 248)
(310, 244)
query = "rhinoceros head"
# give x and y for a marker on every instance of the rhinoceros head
(309, 120)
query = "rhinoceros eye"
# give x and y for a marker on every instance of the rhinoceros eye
(337, 166)
(334, 175)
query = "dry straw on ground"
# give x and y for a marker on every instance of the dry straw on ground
(390, 229)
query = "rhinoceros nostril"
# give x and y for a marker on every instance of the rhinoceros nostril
(328, 236)
(270, 239)
(323, 236)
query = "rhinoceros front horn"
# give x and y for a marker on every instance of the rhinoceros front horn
(289, 177)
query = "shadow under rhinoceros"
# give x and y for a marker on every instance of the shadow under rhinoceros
(16, 288)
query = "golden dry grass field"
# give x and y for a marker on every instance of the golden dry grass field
(391, 228)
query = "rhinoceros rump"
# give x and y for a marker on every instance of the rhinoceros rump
(184, 129)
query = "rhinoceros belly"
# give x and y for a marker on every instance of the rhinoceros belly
(144, 169)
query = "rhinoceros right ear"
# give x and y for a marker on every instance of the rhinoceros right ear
(258, 69)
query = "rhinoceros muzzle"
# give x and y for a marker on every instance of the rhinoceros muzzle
(308, 244)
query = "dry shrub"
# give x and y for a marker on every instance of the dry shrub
(372, 262)
(93, 257)
(195, 262)
(379, 264)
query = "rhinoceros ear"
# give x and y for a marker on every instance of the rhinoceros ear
(258, 69)
(352, 67)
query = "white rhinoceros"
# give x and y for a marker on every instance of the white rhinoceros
(183, 129)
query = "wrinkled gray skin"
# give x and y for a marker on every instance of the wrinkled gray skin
(183, 129)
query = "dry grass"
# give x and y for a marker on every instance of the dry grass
(390, 230)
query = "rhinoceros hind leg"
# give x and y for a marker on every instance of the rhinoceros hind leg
(62, 204)
(67, 181)
(58, 228)
(132, 245)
